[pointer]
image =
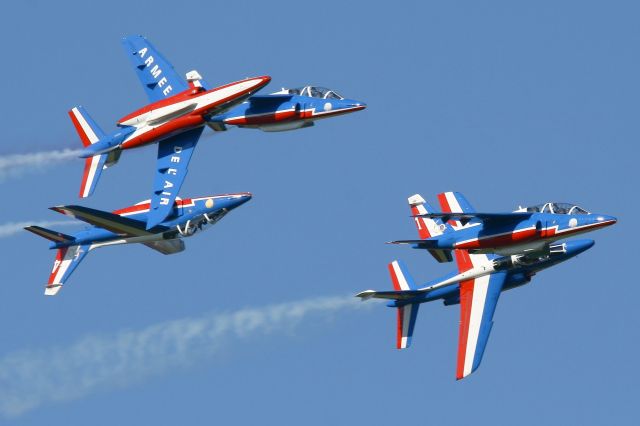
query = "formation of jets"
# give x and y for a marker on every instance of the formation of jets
(494, 252)
(174, 120)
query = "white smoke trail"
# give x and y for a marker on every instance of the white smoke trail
(12, 228)
(17, 164)
(31, 378)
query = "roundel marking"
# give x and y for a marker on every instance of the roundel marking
(209, 203)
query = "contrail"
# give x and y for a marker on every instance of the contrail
(31, 378)
(12, 228)
(17, 164)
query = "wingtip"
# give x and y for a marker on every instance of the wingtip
(52, 289)
(366, 295)
(58, 209)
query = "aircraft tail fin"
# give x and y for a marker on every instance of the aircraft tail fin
(93, 167)
(67, 259)
(407, 314)
(90, 133)
(406, 322)
(87, 129)
(428, 227)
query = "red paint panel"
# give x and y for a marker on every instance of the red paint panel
(463, 260)
(85, 175)
(196, 93)
(394, 278)
(399, 328)
(56, 266)
(161, 132)
(423, 231)
(276, 117)
(83, 136)
(466, 298)
(501, 240)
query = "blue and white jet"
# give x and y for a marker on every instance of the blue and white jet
(528, 229)
(288, 109)
(128, 226)
(476, 286)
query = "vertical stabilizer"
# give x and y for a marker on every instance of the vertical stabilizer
(429, 227)
(90, 133)
(67, 259)
(406, 314)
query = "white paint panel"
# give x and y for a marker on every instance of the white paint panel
(91, 175)
(453, 202)
(85, 126)
(480, 288)
(404, 285)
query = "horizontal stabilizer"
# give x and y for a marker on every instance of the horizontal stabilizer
(441, 256)
(56, 237)
(167, 246)
(389, 295)
(123, 226)
(422, 244)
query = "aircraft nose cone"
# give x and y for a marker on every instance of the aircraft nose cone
(239, 199)
(265, 79)
(605, 220)
(576, 247)
(357, 105)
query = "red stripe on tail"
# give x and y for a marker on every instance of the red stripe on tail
(83, 136)
(466, 298)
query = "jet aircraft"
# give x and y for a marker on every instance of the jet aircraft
(174, 119)
(128, 226)
(476, 287)
(528, 229)
(288, 109)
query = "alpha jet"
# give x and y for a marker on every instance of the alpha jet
(128, 226)
(174, 119)
(476, 287)
(528, 229)
(288, 109)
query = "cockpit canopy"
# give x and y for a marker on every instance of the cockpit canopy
(314, 92)
(557, 208)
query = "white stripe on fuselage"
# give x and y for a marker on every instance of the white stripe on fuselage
(140, 122)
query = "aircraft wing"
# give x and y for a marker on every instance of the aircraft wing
(174, 155)
(156, 74)
(167, 246)
(465, 217)
(123, 226)
(267, 99)
(478, 300)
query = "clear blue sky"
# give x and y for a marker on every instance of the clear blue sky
(508, 103)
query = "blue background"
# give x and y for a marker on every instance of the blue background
(508, 103)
